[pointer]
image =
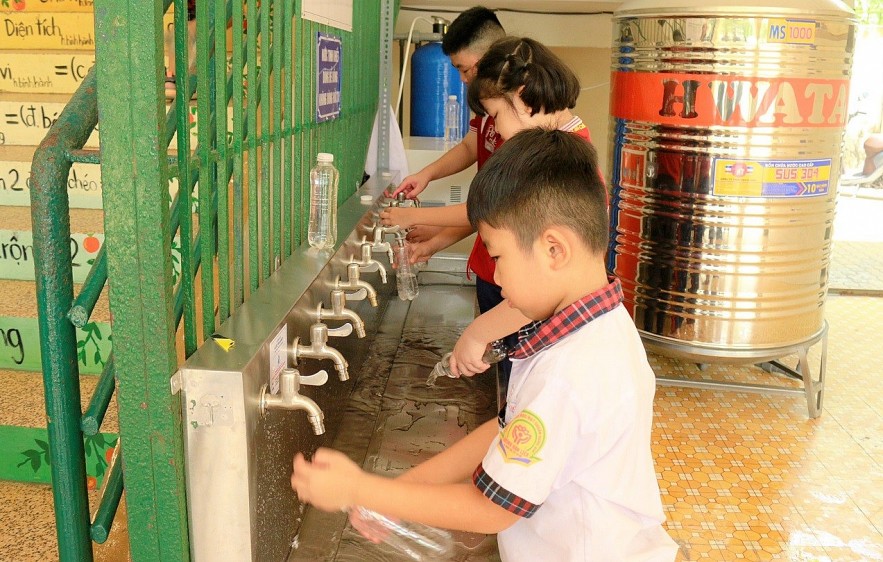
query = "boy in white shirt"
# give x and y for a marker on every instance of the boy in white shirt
(565, 473)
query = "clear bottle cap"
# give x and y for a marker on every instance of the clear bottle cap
(451, 97)
(366, 199)
(324, 157)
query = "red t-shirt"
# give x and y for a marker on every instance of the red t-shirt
(488, 139)
(480, 261)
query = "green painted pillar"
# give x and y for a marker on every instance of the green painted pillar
(134, 168)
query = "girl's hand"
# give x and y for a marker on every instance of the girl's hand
(412, 186)
(328, 482)
(403, 217)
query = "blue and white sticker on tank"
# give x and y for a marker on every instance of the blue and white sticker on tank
(771, 178)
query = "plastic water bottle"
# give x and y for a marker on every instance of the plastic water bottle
(406, 275)
(494, 353)
(452, 121)
(418, 542)
(323, 202)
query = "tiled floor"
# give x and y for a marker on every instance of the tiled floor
(743, 475)
(749, 476)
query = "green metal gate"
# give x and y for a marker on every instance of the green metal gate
(204, 197)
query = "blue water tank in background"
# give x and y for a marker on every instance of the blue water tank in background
(433, 79)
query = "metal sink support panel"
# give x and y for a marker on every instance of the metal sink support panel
(240, 503)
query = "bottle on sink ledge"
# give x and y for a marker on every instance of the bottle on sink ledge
(323, 202)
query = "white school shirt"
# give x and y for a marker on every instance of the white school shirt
(575, 451)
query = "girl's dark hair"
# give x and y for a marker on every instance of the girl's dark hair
(515, 62)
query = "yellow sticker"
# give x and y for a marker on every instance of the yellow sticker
(522, 439)
(224, 343)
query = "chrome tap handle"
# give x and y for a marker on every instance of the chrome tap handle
(341, 331)
(316, 379)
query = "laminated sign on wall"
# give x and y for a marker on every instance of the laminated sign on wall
(328, 55)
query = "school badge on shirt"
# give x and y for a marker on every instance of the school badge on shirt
(522, 439)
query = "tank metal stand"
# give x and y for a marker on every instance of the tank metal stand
(768, 359)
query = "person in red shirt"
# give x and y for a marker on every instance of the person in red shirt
(520, 84)
(466, 40)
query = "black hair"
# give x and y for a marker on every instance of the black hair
(474, 30)
(538, 179)
(515, 62)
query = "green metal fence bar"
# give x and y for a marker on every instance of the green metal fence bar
(297, 148)
(222, 181)
(50, 216)
(111, 492)
(310, 114)
(287, 155)
(205, 145)
(252, 142)
(90, 291)
(280, 27)
(84, 156)
(90, 422)
(135, 176)
(266, 243)
(183, 92)
(237, 223)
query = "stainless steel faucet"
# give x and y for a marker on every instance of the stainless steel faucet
(319, 349)
(381, 245)
(367, 262)
(402, 201)
(354, 282)
(339, 311)
(290, 398)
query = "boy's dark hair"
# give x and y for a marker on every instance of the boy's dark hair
(475, 29)
(538, 179)
(513, 62)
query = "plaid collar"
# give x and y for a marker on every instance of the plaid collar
(540, 335)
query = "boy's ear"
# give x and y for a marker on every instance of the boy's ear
(556, 247)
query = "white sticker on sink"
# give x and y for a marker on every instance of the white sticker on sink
(278, 357)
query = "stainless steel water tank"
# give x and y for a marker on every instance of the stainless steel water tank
(726, 127)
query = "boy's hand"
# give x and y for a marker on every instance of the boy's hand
(328, 481)
(403, 217)
(466, 357)
(411, 186)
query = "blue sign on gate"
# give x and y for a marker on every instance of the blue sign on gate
(328, 71)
